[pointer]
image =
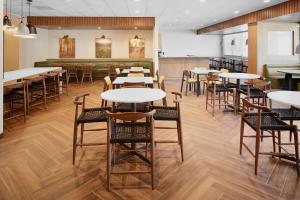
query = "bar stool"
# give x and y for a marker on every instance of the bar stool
(36, 92)
(14, 94)
(87, 72)
(87, 116)
(170, 113)
(134, 128)
(262, 120)
(188, 80)
(72, 73)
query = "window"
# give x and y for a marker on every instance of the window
(280, 43)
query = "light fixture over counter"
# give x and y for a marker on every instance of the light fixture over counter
(6, 21)
(30, 26)
(22, 30)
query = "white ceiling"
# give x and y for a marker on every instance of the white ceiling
(171, 14)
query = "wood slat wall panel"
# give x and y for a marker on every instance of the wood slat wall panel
(112, 22)
(285, 8)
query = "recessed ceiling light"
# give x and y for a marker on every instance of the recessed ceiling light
(59, 27)
(135, 27)
(236, 12)
(202, 1)
(215, 20)
(99, 27)
(187, 12)
(176, 20)
(267, 1)
(137, 11)
(68, 0)
(137, 0)
(202, 25)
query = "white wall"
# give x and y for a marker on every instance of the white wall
(85, 42)
(180, 43)
(32, 50)
(47, 44)
(263, 57)
(1, 69)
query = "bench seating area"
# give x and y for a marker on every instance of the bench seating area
(270, 72)
(102, 66)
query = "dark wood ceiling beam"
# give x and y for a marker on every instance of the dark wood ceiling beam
(286, 8)
(112, 22)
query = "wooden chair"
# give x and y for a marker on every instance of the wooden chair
(161, 85)
(52, 85)
(14, 101)
(63, 81)
(218, 92)
(188, 80)
(87, 72)
(107, 86)
(134, 128)
(36, 92)
(262, 120)
(87, 116)
(170, 113)
(72, 73)
(156, 76)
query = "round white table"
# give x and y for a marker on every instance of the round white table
(291, 98)
(199, 72)
(239, 77)
(133, 95)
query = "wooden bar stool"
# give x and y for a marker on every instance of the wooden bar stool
(14, 101)
(170, 113)
(134, 128)
(87, 116)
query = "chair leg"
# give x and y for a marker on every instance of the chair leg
(152, 165)
(74, 142)
(257, 144)
(82, 79)
(279, 141)
(108, 165)
(179, 133)
(181, 88)
(291, 123)
(296, 150)
(81, 133)
(206, 102)
(186, 88)
(242, 136)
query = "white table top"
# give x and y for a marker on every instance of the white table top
(291, 98)
(127, 71)
(122, 80)
(27, 72)
(244, 76)
(133, 95)
(203, 71)
(290, 71)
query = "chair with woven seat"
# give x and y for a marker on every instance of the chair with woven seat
(287, 114)
(36, 92)
(262, 120)
(218, 92)
(189, 81)
(87, 72)
(14, 101)
(133, 128)
(170, 113)
(52, 85)
(87, 116)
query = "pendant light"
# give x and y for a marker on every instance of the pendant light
(30, 26)
(22, 31)
(6, 21)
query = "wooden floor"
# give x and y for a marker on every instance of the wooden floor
(35, 159)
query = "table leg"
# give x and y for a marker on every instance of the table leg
(238, 83)
(198, 85)
(288, 82)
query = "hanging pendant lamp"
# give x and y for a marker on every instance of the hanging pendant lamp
(6, 21)
(22, 31)
(30, 26)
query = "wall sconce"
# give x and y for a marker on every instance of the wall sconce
(103, 37)
(136, 37)
(232, 42)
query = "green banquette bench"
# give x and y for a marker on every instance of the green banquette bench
(271, 73)
(102, 67)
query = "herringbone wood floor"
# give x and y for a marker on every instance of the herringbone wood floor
(35, 159)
